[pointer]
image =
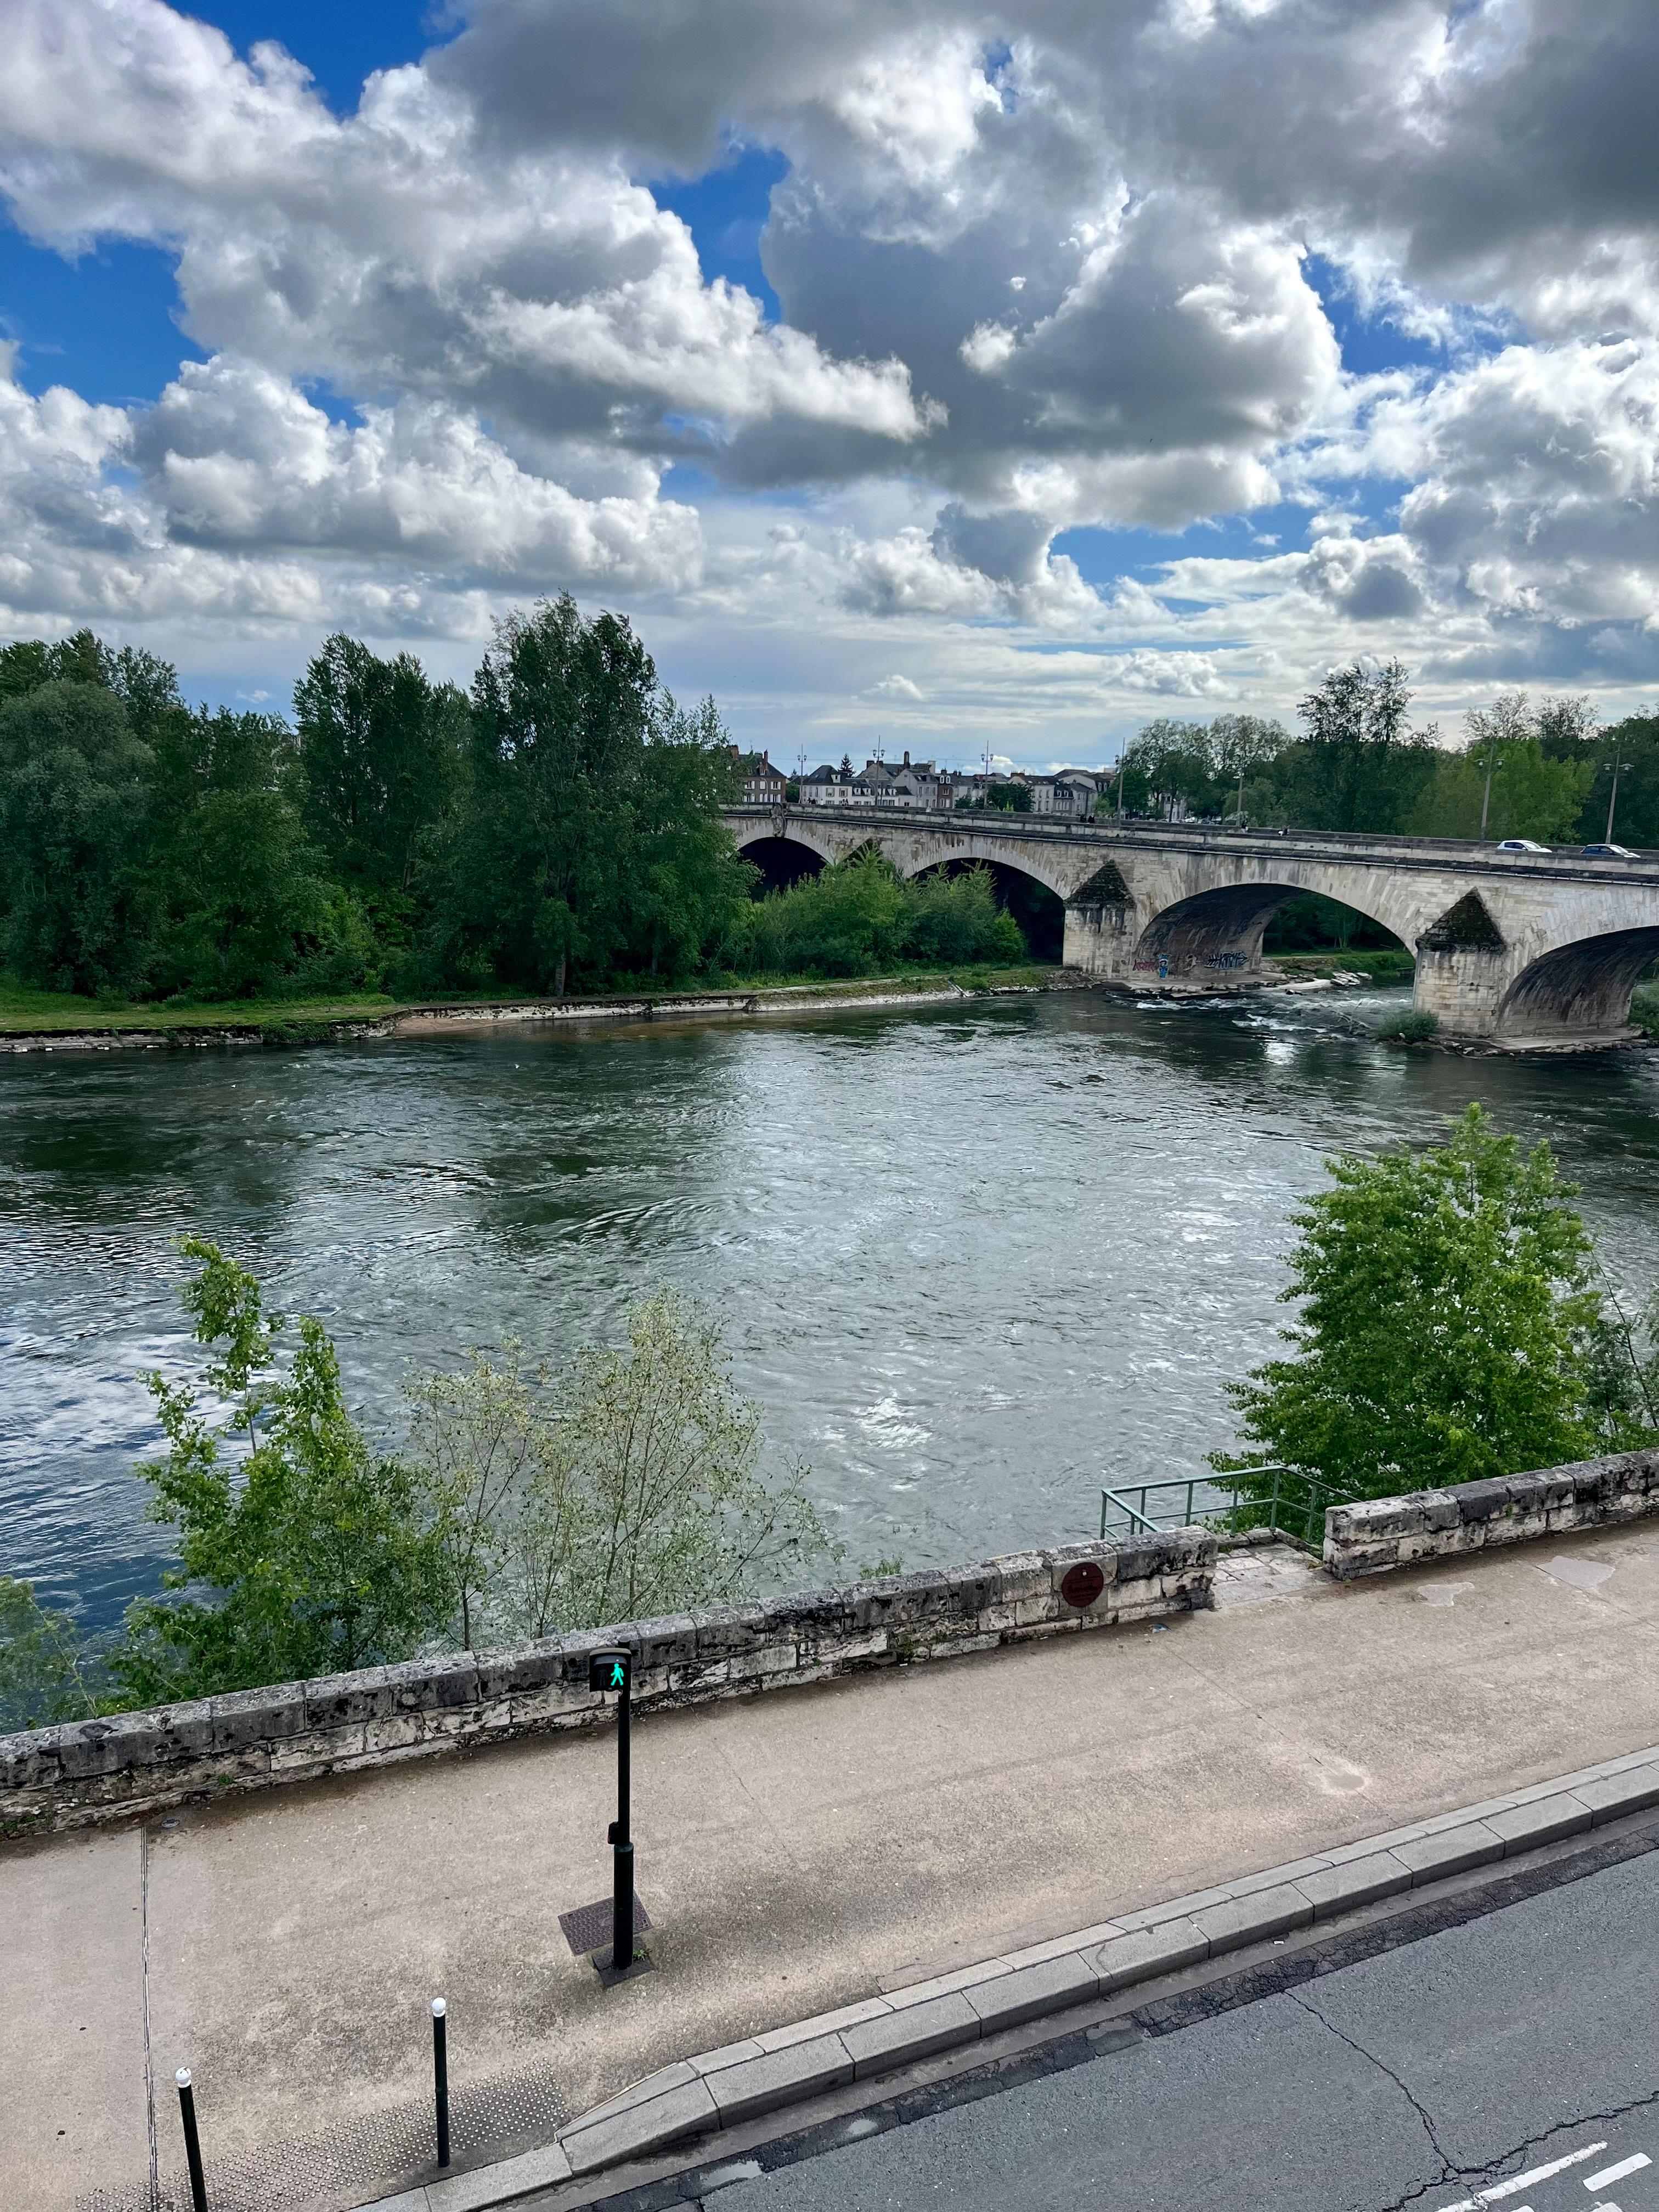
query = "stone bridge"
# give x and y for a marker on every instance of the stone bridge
(1528, 951)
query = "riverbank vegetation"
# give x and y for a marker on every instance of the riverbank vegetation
(519, 1503)
(861, 918)
(556, 827)
(553, 830)
(1452, 1324)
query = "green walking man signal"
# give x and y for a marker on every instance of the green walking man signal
(607, 1670)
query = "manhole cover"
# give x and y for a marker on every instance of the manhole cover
(589, 1927)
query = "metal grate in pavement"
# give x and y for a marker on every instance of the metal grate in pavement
(589, 1927)
(508, 2114)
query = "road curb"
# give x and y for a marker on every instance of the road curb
(700, 2096)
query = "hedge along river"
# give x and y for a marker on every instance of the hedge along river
(971, 1259)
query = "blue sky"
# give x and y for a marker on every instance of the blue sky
(422, 393)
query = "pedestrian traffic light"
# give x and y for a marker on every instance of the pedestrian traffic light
(607, 1670)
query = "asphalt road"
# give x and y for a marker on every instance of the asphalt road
(1510, 2062)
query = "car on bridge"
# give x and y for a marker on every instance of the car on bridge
(1522, 845)
(1608, 853)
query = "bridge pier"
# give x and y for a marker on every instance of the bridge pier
(1100, 941)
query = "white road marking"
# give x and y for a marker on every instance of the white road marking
(1618, 2172)
(1513, 2187)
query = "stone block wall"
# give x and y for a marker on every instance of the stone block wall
(1380, 1533)
(134, 1763)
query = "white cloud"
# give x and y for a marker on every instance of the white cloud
(1043, 269)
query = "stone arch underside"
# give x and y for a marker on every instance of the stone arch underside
(781, 860)
(1582, 989)
(1217, 933)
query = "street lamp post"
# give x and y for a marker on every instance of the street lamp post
(1613, 800)
(1486, 796)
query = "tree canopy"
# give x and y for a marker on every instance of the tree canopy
(1449, 1326)
(558, 828)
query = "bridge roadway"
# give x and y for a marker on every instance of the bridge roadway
(1529, 951)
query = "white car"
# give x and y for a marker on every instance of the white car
(1520, 845)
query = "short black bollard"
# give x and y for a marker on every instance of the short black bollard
(440, 2074)
(192, 2147)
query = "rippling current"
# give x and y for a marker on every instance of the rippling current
(972, 1261)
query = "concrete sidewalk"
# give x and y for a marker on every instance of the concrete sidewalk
(796, 1853)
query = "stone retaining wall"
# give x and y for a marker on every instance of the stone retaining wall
(88, 1772)
(1380, 1533)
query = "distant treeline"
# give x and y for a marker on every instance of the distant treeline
(556, 826)
(1358, 764)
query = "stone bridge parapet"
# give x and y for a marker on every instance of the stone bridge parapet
(1529, 950)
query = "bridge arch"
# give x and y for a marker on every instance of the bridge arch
(1215, 935)
(781, 860)
(1578, 991)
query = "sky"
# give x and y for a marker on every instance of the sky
(931, 374)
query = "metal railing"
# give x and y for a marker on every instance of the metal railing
(1293, 1506)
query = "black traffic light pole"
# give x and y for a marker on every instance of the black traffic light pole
(622, 1893)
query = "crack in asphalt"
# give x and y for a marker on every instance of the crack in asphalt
(1470, 2178)
(1448, 2172)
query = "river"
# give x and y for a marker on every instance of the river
(972, 1260)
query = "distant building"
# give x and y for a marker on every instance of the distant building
(827, 787)
(1071, 791)
(761, 784)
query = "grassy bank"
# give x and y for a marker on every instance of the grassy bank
(1395, 965)
(26, 1012)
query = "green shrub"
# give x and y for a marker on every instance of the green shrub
(1409, 1028)
(859, 917)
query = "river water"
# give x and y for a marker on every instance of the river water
(972, 1260)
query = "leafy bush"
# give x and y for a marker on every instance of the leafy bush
(859, 915)
(524, 1505)
(1408, 1027)
(45, 1675)
(1447, 1326)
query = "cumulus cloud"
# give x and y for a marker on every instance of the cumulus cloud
(1042, 268)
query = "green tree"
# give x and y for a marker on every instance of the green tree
(535, 883)
(1169, 769)
(45, 1675)
(240, 901)
(1502, 783)
(850, 919)
(1446, 1316)
(1567, 732)
(686, 882)
(302, 1551)
(956, 921)
(381, 756)
(630, 1486)
(1361, 766)
(74, 804)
